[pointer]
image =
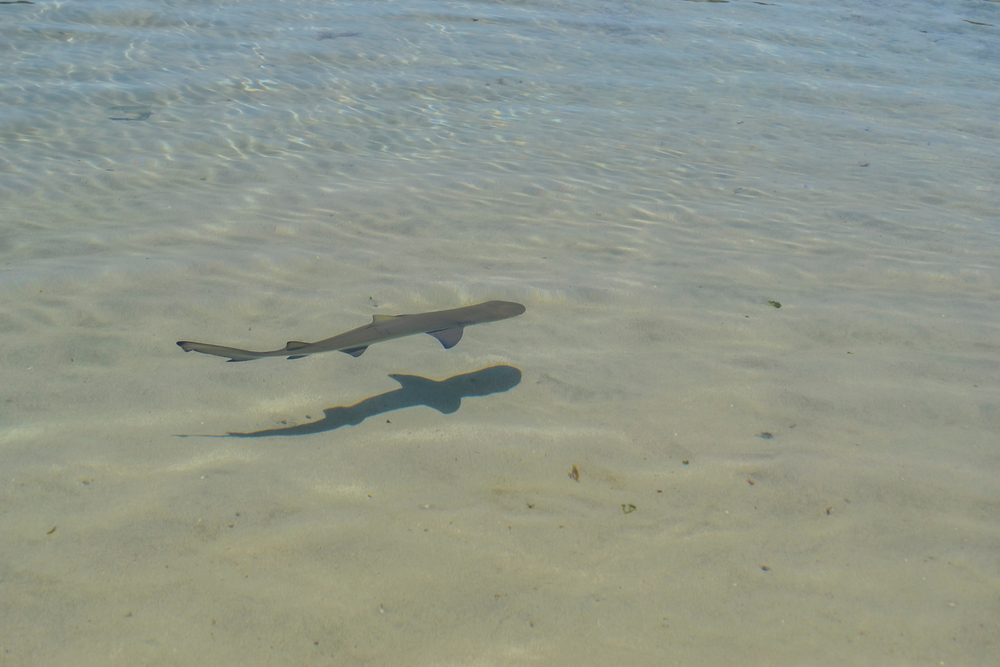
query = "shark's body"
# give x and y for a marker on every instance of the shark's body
(445, 325)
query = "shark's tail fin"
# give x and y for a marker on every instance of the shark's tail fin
(231, 353)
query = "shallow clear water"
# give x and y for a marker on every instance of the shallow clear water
(810, 483)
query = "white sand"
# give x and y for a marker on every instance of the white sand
(814, 484)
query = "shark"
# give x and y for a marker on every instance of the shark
(445, 325)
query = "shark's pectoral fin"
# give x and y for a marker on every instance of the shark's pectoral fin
(355, 351)
(448, 337)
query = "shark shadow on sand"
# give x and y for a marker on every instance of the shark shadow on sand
(445, 396)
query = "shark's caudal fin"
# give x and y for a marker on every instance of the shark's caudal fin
(231, 353)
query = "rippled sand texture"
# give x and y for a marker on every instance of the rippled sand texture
(653, 465)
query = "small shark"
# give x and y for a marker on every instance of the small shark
(445, 325)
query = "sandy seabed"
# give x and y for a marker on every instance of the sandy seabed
(776, 482)
(654, 465)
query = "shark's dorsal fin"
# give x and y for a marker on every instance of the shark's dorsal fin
(448, 337)
(294, 345)
(378, 319)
